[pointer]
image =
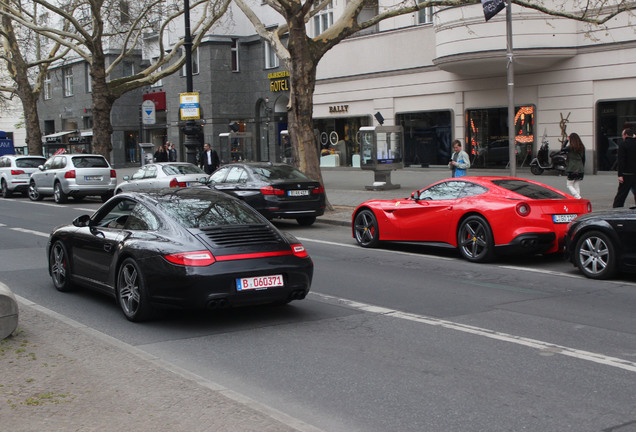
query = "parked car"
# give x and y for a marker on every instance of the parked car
(276, 190)
(602, 243)
(15, 171)
(76, 175)
(185, 247)
(480, 216)
(162, 175)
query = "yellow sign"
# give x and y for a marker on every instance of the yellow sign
(189, 106)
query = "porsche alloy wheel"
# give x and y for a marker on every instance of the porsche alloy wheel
(131, 292)
(365, 228)
(595, 255)
(474, 239)
(34, 195)
(58, 194)
(59, 268)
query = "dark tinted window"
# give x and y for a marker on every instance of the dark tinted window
(29, 162)
(89, 162)
(528, 190)
(193, 212)
(182, 169)
(279, 172)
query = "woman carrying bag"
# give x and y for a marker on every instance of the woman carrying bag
(459, 162)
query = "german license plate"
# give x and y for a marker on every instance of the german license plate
(563, 218)
(93, 178)
(259, 282)
(298, 192)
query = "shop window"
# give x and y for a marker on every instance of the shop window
(487, 136)
(427, 137)
(612, 117)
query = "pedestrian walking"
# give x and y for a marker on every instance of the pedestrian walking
(626, 167)
(172, 152)
(209, 159)
(575, 164)
(459, 162)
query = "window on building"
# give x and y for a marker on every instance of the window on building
(235, 55)
(612, 117)
(323, 19)
(160, 82)
(195, 64)
(89, 80)
(128, 68)
(124, 11)
(271, 59)
(425, 16)
(68, 81)
(47, 86)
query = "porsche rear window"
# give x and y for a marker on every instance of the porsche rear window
(527, 189)
(90, 162)
(193, 212)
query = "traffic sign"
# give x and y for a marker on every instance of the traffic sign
(148, 113)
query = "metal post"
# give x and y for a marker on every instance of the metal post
(191, 143)
(512, 145)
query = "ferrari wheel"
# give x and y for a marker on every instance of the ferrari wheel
(365, 228)
(475, 241)
(595, 255)
(131, 292)
(536, 170)
(59, 267)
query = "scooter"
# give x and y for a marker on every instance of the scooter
(547, 160)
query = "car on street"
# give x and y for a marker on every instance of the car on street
(276, 190)
(15, 171)
(480, 216)
(602, 243)
(162, 175)
(74, 175)
(179, 247)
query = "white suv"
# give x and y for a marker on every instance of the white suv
(76, 175)
(15, 171)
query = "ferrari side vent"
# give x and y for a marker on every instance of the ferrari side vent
(241, 235)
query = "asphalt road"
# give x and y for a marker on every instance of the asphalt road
(404, 338)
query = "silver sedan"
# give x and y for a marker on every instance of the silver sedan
(162, 175)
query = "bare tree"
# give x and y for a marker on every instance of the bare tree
(302, 52)
(88, 28)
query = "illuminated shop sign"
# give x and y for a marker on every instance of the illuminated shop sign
(278, 81)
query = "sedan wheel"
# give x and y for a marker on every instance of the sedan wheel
(474, 239)
(59, 268)
(595, 255)
(365, 228)
(6, 193)
(59, 195)
(131, 292)
(34, 195)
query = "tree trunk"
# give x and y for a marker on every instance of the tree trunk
(103, 102)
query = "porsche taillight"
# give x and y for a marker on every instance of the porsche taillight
(194, 259)
(523, 209)
(69, 174)
(299, 250)
(113, 174)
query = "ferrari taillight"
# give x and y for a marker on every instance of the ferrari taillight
(589, 207)
(523, 209)
(195, 259)
(299, 250)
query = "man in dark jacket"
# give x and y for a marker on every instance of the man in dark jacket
(626, 167)
(209, 159)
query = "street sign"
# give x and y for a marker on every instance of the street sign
(189, 105)
(148, 113)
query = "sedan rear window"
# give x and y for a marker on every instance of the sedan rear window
(527, 189)
(280, 172)
(182, 169)
(90, 162)
(29, 162)
(194, 212)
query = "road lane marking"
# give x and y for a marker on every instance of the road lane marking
(28, 231)
(544, 347)
(303, 239)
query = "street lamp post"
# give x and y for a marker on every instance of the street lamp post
(191, 129)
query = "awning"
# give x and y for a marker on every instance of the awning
(87, 133)
(58, 134)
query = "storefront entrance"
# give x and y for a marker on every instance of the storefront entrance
(611, 118)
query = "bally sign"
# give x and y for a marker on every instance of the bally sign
(336, 109)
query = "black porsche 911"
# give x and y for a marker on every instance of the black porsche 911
(187, 247)
(602, 243)
(276, 190)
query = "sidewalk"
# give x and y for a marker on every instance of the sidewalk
(61, 376)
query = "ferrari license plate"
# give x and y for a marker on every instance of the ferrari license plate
(298, 192)
(259, 282)
(563, 218)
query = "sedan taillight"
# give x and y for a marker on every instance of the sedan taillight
(270, 190)
(69, 174)
(194, 259)
(17, 172)
(174, 183)
(319, 190)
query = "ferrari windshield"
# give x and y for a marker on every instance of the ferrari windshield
(527, 189)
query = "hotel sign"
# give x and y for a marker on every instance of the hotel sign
(279, 81)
